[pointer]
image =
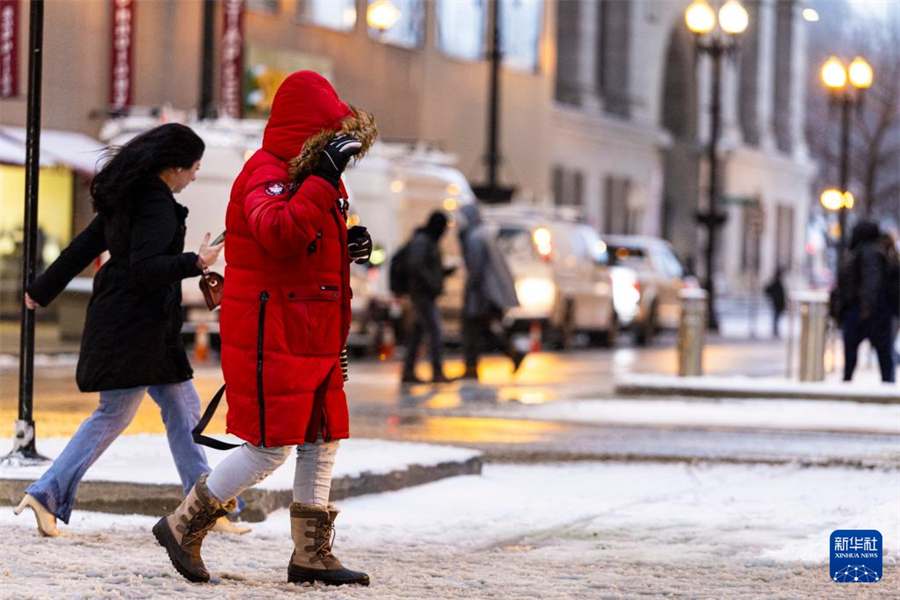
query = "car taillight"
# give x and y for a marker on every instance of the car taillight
(543, 242)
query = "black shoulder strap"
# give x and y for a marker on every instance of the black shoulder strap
(197, 432)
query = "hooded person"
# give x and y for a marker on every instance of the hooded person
(490, 291)
(285, 317)
(426, 274)
(864, 289)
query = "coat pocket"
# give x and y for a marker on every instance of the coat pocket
(312, 318)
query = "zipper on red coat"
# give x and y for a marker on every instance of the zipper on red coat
(263, 299)
(345, 262)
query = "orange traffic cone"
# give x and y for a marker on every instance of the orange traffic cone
(388, 341)
(201, 343)
(534, 335)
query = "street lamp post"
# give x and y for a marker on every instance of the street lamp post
(835, 77)
(24, 451)
(492, 191)
(717, 43)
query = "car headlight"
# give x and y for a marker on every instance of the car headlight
(536, 294)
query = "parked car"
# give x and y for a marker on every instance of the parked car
(561, 269)
(660, 276)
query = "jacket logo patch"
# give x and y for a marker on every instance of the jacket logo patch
(275, 189)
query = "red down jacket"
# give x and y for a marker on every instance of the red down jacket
(285, 314)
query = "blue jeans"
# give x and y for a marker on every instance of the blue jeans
(180, 407)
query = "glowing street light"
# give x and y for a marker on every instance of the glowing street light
(382, 15)
(733, 18)
(832, 199)
(834, 76)
(700, 17)
(861, 74)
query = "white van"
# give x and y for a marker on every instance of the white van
(392, 192)
(561, 270)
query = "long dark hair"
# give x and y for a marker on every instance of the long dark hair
(167, 146)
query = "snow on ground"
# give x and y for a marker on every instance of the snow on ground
(868, 386)
(797, 415)
(587, 530)
(146, 459)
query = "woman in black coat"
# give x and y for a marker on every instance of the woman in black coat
(132, 335)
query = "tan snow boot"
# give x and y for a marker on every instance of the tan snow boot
(182, 532)
(312, 529)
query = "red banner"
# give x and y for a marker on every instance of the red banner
(9, 48)
(122, 64)
(232, 96)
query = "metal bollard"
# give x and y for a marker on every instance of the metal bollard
(691, 332)
(813, 323)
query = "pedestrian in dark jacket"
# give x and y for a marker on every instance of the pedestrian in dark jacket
(865, 300)
(132, 334)
(426, 274)
(490, 291)
(777, 296)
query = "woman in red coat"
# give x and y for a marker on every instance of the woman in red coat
(285, 318)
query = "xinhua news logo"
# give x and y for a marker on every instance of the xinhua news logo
(856, 556)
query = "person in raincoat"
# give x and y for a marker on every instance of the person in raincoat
(490, 291)
(285, 317)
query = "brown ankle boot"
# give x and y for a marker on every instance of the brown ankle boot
(312, 529)
(182, 532)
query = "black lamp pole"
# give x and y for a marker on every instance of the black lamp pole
(24, 450)
(207, 110)
(491, 191)
(712, 219)
(846, 103)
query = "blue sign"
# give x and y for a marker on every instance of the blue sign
(856, 556)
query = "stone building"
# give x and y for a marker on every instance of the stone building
(603, 102)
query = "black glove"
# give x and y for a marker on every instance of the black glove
(359, 242)
(335, 157)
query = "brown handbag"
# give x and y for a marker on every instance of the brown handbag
(212, 284)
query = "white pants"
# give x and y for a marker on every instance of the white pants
(248, 465)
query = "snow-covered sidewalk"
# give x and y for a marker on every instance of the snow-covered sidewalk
(795, 415)
(589, 530)
(146, 459)
(866, 387)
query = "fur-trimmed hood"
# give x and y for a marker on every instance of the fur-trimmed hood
(307, 114)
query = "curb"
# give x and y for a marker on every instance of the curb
(635, 389)
(153, 499)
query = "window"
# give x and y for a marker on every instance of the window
(266, 6)
(670, 264)
(568, 87)
(752, 228)
(568, 187)
(594, 246)
(409, 30)
(615, 205)
(520, 32)
(462, 28)
(785, 237)
(333, 14)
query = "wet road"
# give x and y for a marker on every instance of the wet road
(473, 415)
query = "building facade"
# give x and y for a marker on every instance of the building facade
(604, 105)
